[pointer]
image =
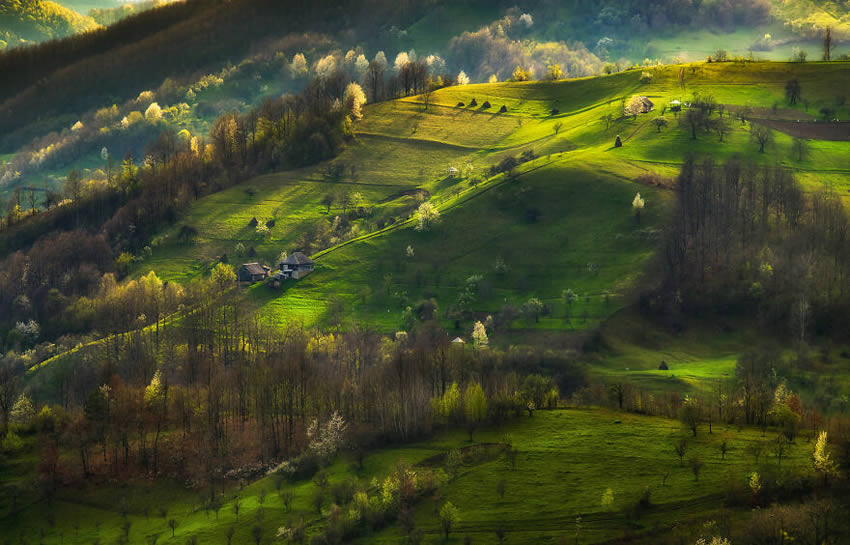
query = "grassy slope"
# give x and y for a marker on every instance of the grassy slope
(566, 460)
(581, 186)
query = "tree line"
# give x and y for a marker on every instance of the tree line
(746, 239)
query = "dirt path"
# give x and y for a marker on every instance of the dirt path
(834, 131)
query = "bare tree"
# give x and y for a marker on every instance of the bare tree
(827, 44)
(762, 135)
(681, 448)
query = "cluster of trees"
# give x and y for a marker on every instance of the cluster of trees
(141, 51)
(496, 52)
(746, 238)
(219, 385)
(609, 18)
(65, 262)
(109, 16)
(36, 21)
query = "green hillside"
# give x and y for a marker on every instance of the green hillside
(566, 459)
(563, 220)
(23, 21)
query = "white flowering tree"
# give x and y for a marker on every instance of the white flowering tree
(361, 64)
(298, 66)
(353, 100)
(326, 66)
(637, 206)
(462, 78)
(479, 335)
(23, 411)
(427, 216)
(28, 331)
(326, 440)
(153, 113)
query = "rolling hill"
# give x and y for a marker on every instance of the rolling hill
(32, 21)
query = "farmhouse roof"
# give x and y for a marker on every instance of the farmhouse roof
(297, 258)
(458, 340)
(254, 268)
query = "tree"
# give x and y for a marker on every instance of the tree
(353, 100)
(690, 414)
(762, 135)
(286, 498)
(755, 449)
(474, 406)
(660, 123)
(638, 205)
(681, 448)
(520, 74)
(608, 119)
(23, 411)
(453, 463)
(462, 78)
(500, 488)
(780, 447)
(479, 335)
(298, 66)
(822, 457)
(793, 91)
(427, 215)
(634, 106)
(8, 392)
(327, 201)
(608, 499)
(427, 92)
(172, 523)
(696, 467)
(257, 534)
(827, 44)
(532, 309)
(449, 517)
(694, 118)
(236, 507)
(222, 277)
(800, 148)
(721, 126)
(554, 72)
(327, 440)
(569, 296)
(557, 127)
(153, 113)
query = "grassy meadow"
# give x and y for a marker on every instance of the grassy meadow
(566, 460)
